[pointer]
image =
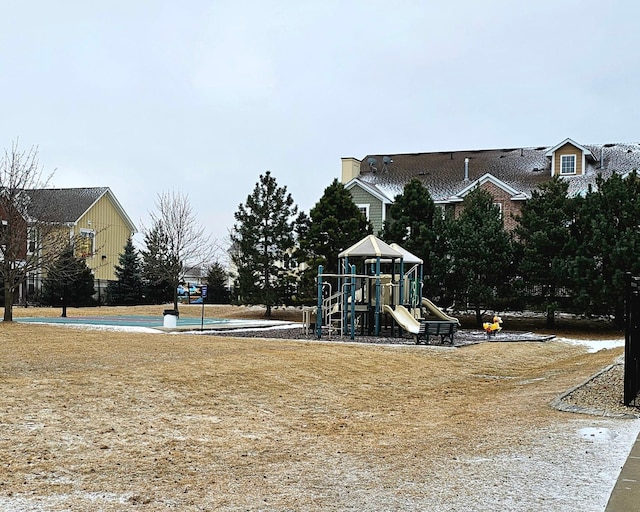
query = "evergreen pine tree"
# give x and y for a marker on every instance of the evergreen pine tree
(217, 281)
(607, 244)
(264, 231)
(544, 242)
(481, 251)
(335, 224)
(157, 287)
(127, 289)
(417, 225)
(69, 282)
(411, 221)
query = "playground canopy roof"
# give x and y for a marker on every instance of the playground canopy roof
(406, 255)
(371, 246)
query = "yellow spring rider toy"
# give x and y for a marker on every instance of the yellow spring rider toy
(491, 328)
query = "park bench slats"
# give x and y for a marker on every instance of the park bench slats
(443, 328)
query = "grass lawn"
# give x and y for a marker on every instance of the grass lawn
(102, 420)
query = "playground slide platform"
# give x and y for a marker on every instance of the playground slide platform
(437, 311)
(403, 318)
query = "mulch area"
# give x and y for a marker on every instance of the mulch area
(462, 337)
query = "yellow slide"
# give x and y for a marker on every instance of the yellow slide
(437, 311)
(403, 318)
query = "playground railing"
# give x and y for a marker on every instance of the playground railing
(332, 308)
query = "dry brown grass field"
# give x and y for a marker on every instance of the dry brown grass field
(103, 420)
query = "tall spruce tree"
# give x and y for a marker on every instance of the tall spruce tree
(334, 224)
(607, 245)
(69, 282)
(158, 288)
(412, 218)
(544, 242)
(126, 290)
(264, 231)
(417, 225)
(481, 251)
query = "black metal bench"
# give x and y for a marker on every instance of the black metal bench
(443, 328)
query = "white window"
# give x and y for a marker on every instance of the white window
(85, 243)
(567, 164)
(364, 209)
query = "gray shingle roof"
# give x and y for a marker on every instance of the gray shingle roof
(64, 205)
(523, 169)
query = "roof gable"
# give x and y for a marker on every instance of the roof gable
(69, 205)
(586, 151)
(369, 188)
(489, 178)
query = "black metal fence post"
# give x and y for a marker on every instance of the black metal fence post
(632, 339)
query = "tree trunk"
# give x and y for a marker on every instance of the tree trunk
(8, 303)
(175, 296)
(478, 317)
(551, 317)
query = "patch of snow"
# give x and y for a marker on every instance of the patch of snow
(596, 434)
(594, 345)
(95, 327)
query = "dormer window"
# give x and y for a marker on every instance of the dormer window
(569, 158)
(567, 164)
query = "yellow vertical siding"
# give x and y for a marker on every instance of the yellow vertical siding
(111, 235)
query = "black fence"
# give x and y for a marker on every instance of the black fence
(632, 340)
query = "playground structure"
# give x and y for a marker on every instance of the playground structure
(376, 282)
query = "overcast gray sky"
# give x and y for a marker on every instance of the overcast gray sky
(146, 96)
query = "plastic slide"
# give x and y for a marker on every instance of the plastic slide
(437, 311)
(403, 318)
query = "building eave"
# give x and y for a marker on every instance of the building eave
(371, 189)
(586, 151)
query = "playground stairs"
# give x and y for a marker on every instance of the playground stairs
(332, 318)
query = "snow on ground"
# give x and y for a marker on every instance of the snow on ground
(594, 345)
(118, 328)
(571, 466)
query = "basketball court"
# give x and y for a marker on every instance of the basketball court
(155, 322)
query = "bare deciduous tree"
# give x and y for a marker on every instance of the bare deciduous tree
(28, 235)
(187, 245)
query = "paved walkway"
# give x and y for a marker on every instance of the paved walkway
(625, 496)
